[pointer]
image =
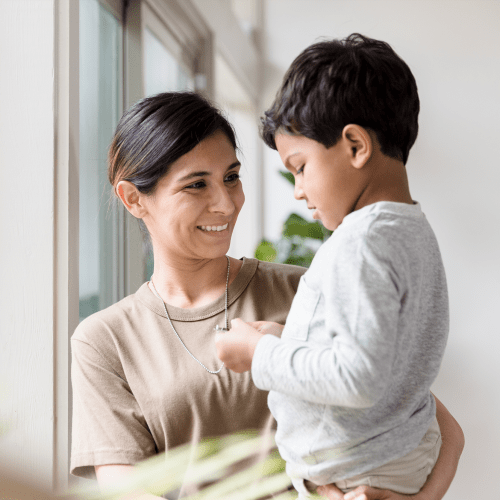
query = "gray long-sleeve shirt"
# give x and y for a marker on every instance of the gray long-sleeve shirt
(350, 378)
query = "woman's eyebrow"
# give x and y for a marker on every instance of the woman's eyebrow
(203, 173)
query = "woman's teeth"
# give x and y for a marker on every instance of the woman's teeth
(213, 228)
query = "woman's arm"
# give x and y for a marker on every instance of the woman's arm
(442, 474)
(439, 479)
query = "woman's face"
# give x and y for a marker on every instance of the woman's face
(195, 205)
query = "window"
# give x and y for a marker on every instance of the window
(240, 111)
(100, 109)
(162, 71)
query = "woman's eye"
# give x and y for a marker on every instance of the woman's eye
(232, 177)
(197, 185)
(300, 170)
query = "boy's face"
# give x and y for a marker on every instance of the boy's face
(324, 178)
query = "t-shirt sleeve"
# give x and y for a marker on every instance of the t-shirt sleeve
(108, 424)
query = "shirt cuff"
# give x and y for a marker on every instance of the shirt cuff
(260, 361)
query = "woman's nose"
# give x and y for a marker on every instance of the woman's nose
(221, 201)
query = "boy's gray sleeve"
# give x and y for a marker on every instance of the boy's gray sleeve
(346, 355)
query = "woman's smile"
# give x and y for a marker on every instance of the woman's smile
(209, 229)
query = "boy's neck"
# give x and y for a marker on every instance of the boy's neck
(388, 182)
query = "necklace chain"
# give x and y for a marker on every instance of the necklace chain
(217, 328)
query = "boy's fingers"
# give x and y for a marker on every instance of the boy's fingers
(236, 322)
(258, 325)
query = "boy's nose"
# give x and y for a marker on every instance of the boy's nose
(298, 192)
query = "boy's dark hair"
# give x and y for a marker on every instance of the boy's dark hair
(337, 82)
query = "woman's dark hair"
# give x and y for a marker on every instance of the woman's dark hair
(337, 82)
(157, 131)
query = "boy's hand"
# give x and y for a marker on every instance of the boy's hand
(267, 327)
(237, 346)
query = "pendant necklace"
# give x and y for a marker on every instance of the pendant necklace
(217, 328)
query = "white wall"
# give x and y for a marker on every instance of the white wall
(38, 242)
(26, 241)
(453, 49)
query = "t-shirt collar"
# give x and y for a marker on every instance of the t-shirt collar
(236, 288)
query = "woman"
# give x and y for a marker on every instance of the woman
(146, 377)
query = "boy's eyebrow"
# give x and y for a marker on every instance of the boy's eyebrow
(203, 173)
(287, 159)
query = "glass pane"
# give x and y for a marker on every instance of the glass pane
(163, 74)
(100, 108)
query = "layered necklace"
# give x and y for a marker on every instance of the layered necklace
(217, 328)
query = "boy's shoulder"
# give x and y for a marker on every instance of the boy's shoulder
(383, 219)
(384, 230)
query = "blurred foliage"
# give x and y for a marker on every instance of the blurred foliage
(208, 470)
(241, 466)
(300, 239)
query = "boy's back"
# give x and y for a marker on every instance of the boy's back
(373, 312)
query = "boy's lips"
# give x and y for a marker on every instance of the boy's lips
(315, 214)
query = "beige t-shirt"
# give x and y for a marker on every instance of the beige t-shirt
(137, 392)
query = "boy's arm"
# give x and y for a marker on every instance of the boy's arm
(439, 479)
(341, 335)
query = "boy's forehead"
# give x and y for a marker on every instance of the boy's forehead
(289, 145)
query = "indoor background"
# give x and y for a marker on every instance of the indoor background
(68, 69)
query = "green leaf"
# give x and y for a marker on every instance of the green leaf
(249, 483)
(288, 176)
(299, 260)
(166, 472)
(296, 225)
(266, 251)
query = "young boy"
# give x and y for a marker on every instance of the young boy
(350, 378)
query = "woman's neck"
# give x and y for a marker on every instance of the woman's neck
(194, 283)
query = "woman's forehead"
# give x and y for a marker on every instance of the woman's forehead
(213, 154)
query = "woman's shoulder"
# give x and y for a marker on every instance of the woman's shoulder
(285, 275)
(105, 324)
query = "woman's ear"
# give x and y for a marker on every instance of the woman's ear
(360, 144)
(131, 198)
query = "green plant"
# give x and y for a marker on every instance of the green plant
(211, 462)
(300, 239)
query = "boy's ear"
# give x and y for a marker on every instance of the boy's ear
(131, 198)
(360, 144)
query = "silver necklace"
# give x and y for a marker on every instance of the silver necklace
(217, 328)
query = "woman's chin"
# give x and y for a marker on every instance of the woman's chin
(216, 243)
